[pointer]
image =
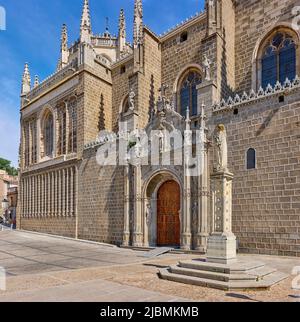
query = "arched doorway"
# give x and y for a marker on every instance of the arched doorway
(168, 214)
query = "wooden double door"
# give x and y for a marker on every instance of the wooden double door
(168, 214)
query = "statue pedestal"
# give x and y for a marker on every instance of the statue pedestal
(221, 249)
(222, 243)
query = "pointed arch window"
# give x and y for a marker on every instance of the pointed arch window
(125, 104)
(188, 93)
(49, 123)
(279, 60)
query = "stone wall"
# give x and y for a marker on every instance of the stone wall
(176, 55)
(266, 200)
(55, 226)
(121, 88)
(97, 91)
(149, 81)
(100, 201)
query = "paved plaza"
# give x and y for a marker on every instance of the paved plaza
(46, 268)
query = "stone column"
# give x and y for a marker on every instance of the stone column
(49, 195)
(52, 194)
(30, 197)
(76, 189)
(63, 195)
(137, 234)
(38, 195)
(26, 197)
(126, 233)
(59, 197)
(222, 242)
(203, 192)
(33, 196)
(71, 191)
(44, 195)
(186, 237)
(67, 192)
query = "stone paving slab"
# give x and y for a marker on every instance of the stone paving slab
(117, 270)
(40, 253)
(93, 291)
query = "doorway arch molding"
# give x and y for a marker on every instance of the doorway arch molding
(151, 186)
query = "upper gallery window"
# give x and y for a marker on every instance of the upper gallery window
(184, 36)
(188, 93)
(62, 119)
(73, 126)
(278, 60)
(49, 135)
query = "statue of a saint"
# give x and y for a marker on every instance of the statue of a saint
(220, 140)
(207, 68)
(131, 100)
(148, 213)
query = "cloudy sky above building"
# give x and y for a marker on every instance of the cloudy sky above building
(33, 35)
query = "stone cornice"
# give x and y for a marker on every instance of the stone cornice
(50, 163)
(253, 97)
(122, 61)
(183, 26)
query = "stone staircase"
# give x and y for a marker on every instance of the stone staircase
(241, 275)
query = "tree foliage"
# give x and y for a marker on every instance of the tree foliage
(6, 165)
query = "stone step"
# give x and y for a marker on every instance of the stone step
(211, 275)
(266, 283)
(238, 268)
(157, 252)
(191, 280)
(269, 281)
(262, 271)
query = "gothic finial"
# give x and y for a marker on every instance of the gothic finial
(64, 38)
(107, 24)
(36, 81)
(203, 116)
(138, 23)
(122, 24)
(26, 80)
(64, 51)
(85, 27)
(122, 34)
(107, 33)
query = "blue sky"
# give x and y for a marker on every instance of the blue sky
(32, 35)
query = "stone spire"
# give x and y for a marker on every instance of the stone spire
(138, 23)
(213, 16)
(85, 27)
(64, 51)
(122, 33)
(26, 81)
(138, 37)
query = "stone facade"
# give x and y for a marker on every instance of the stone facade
(103, 81)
